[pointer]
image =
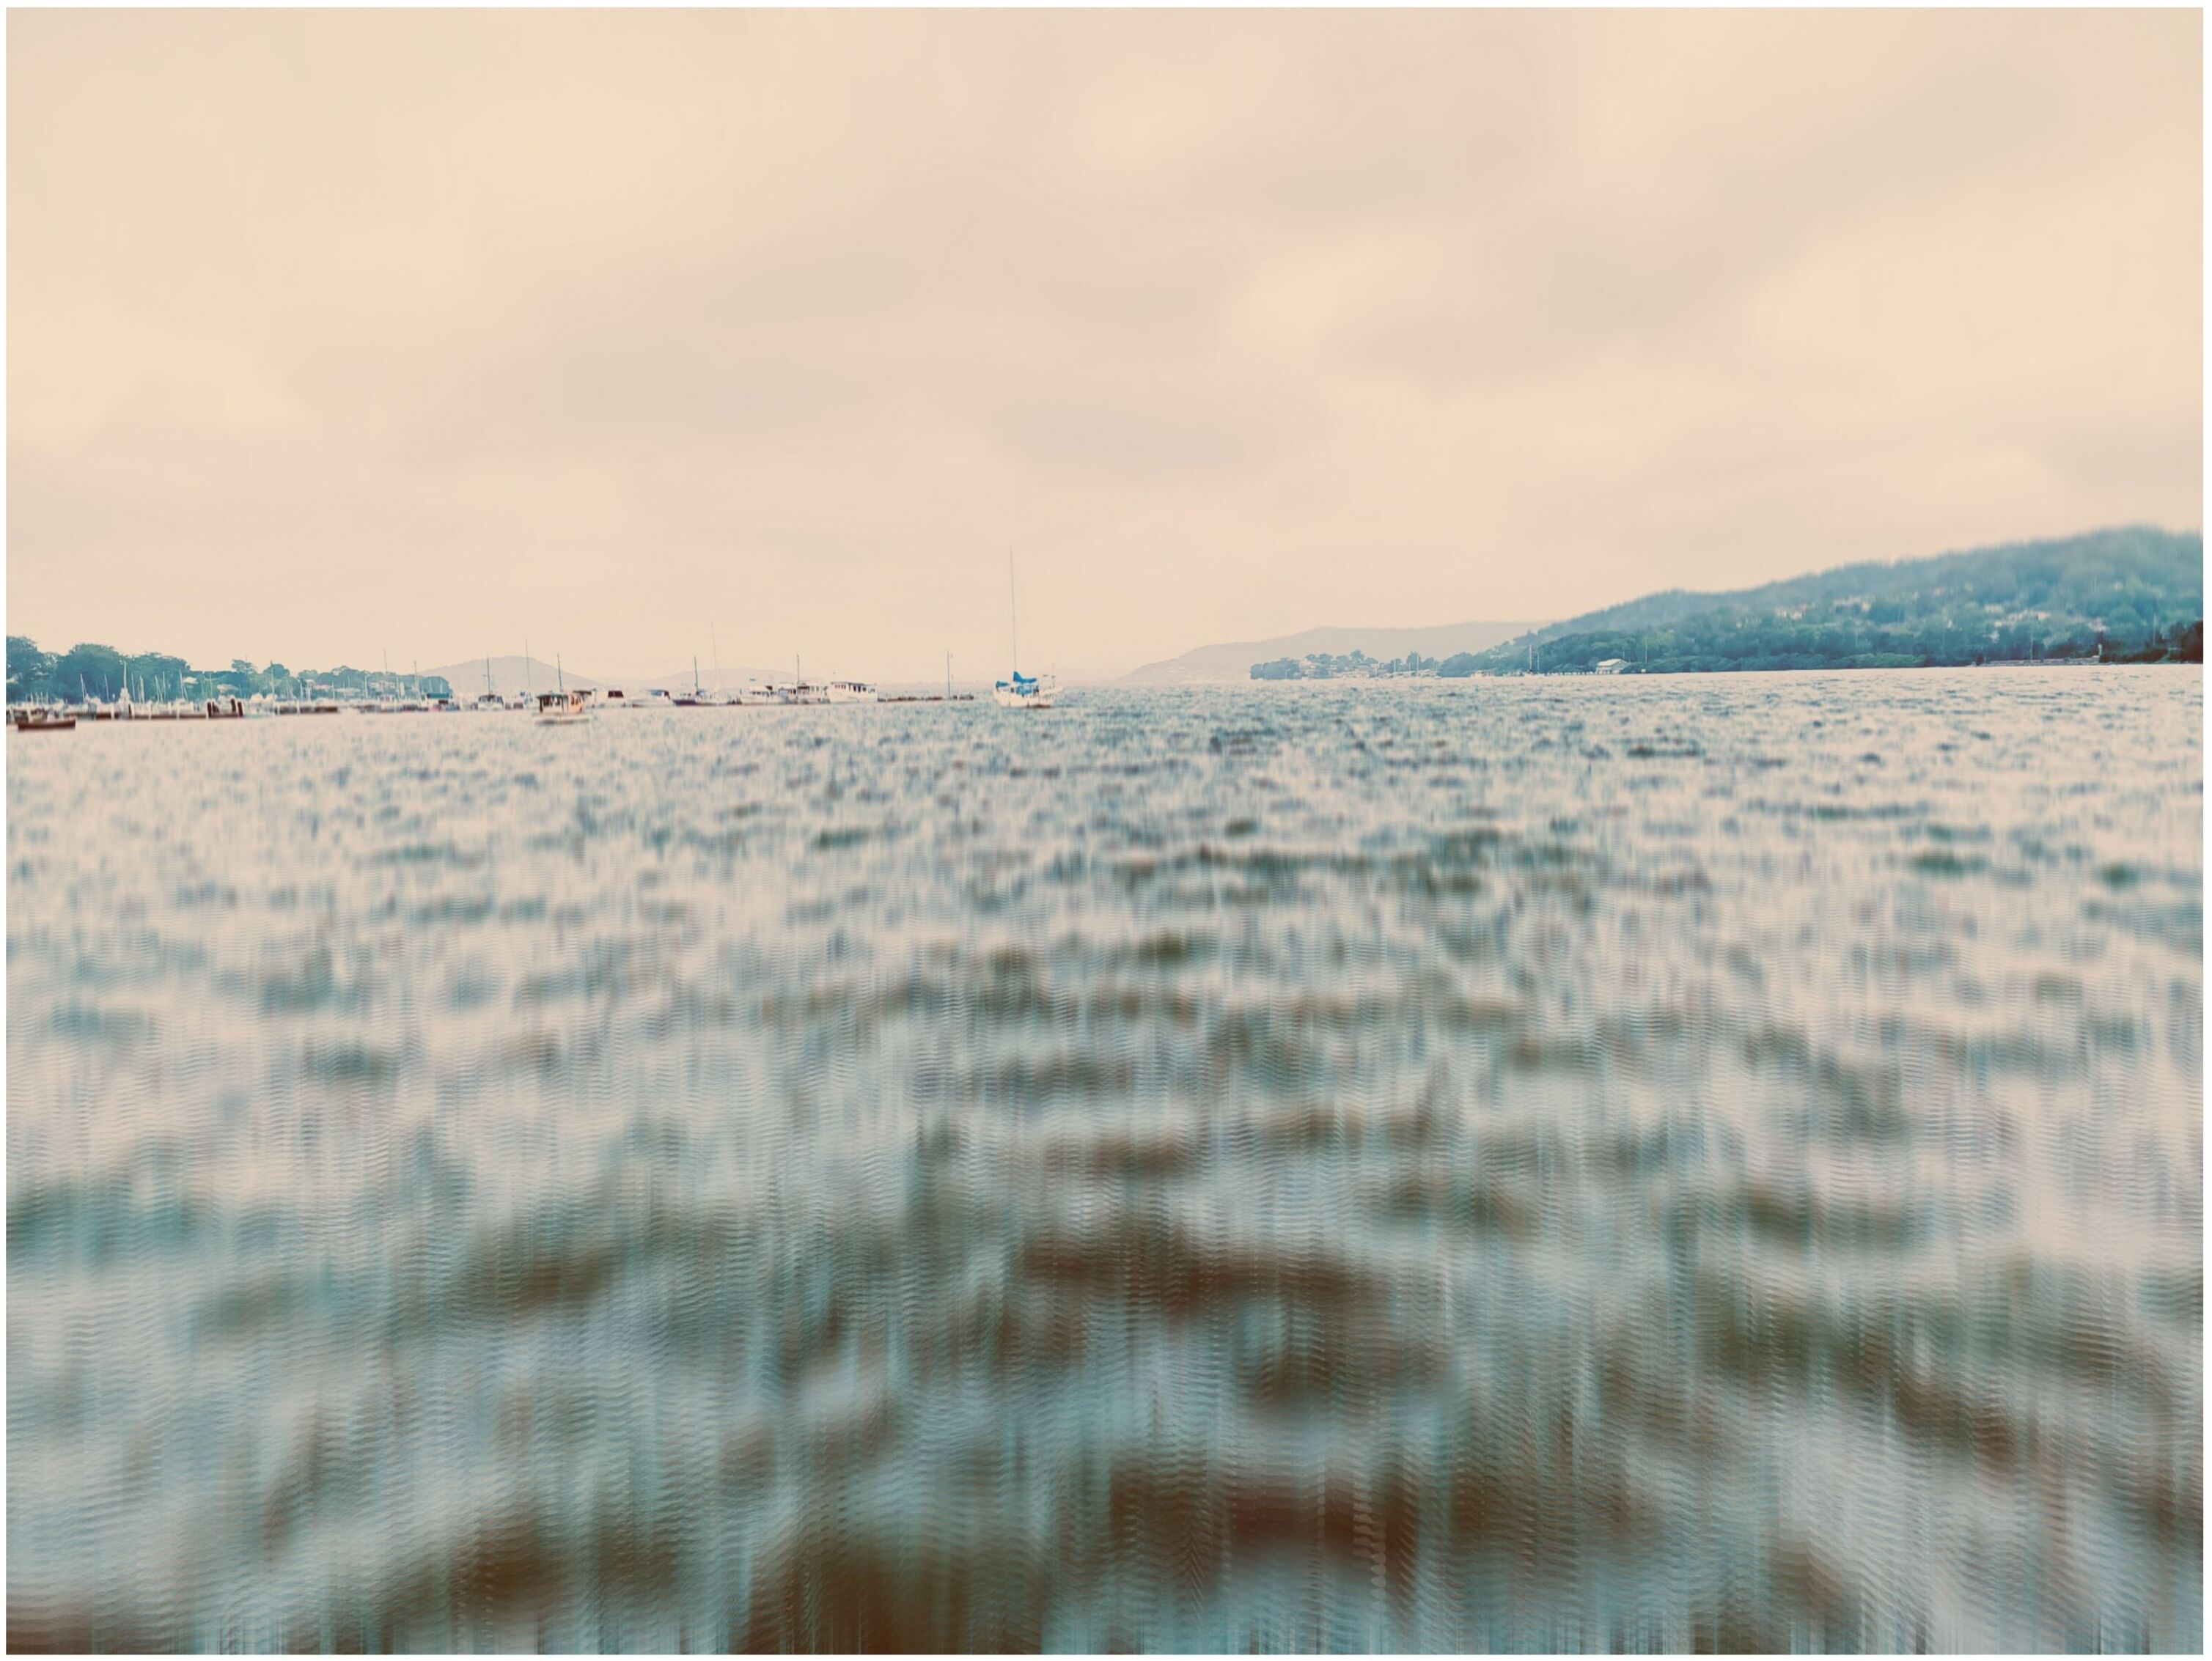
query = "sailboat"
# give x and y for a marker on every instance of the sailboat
(696, 697)
(1021, 691)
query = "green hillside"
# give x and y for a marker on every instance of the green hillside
(2135, 593)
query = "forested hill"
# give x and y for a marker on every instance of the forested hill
(2134, 593)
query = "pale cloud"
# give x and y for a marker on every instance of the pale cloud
(331, 333)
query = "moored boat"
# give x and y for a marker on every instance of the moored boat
(563, 708)
(695, 698)
(1021, 691)
(1025, 691)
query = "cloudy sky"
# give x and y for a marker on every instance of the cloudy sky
(331, 334)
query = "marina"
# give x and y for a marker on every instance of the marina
(578, 703)
(564, 703)
(99, 686)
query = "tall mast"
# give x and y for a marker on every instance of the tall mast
(1014, 611)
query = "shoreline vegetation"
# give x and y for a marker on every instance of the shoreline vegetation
(2134, 595)
(88, 672)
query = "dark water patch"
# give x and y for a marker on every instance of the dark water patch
(2175, 1295)
(1141, 1152)
(1172, 949)
(1273, 1051)
(220, 895)
(1030, 1082)
(1941, 861)
(1874, 812)
(1533, 1052)
(424, 853)
(102, 1025)
(1801, 1218)
(350, 1062)
(453, 911)
(1174, 1269)
(303, 986)
(1482, 1200)
(99, 1221)
(271, 1299)
(826, 1588)
(1849, 1099)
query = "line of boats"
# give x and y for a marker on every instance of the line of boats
(566, 706)
(571, 705)
(562, 706)
(63, 716)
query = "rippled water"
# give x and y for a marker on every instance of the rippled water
(1709, 1161)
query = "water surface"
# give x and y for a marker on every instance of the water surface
(1709, 1161)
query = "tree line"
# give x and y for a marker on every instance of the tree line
(96, 672)
(1720, 641)
(1331, 666)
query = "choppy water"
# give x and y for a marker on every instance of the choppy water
(1712, 1162)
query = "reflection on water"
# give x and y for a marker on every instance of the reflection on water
(1686, 1163)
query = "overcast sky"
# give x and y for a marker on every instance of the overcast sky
(336, 334)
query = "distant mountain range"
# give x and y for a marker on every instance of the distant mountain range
(509, 675)
(1233, 662)
(2132, 592)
